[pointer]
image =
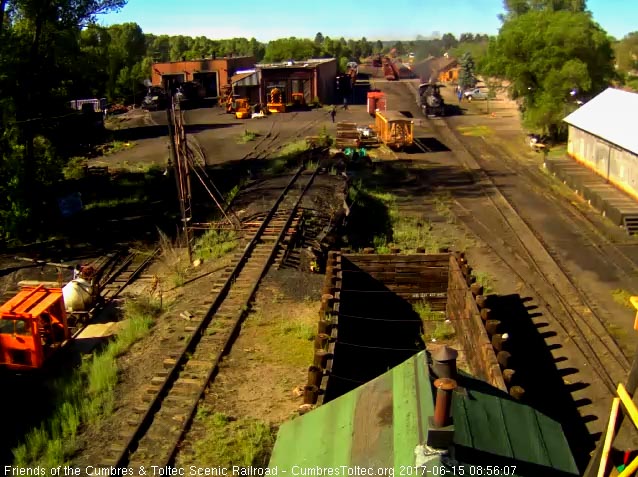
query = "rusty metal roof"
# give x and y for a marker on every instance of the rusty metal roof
(380, 424)
(31, 301)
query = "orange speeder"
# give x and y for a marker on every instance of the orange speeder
(33, 325)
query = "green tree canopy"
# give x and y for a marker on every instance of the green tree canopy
(546, 54)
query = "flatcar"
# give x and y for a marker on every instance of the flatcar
(394, 129)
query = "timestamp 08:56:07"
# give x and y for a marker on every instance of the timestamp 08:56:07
(460, 470)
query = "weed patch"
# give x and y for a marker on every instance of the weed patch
(228, 442)
(476, 131)
(215, 244)
(485, 280)
(247, 136)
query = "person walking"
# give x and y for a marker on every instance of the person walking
(460, 95)
(333, 113)
(345, 103)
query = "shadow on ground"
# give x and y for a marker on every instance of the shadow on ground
(378, 330)
(535, 370)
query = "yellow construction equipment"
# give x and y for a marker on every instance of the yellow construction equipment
(276, 104)
(242, 109)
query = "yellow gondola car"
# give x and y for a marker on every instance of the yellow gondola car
(394, 129)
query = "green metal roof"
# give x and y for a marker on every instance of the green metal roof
(380, 424)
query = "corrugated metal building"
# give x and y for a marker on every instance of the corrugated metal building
(313, 78)
(212, 73)
(382, 426)
(603, 137)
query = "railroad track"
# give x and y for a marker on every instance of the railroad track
(557, 290)
(151, 438)
(119, 273)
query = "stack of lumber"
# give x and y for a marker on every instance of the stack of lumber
(347, 135)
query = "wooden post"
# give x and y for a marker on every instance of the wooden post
(615, 406)
(492, 327)
(480, 301)
(508, 376)
(504, 358)
(477, 289)
(324, 327)
(486, 314)
(321, 340)
(310, 394)
(315, 374)
(321, 357)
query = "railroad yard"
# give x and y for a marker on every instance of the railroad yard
(223, 358)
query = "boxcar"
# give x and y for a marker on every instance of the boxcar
(394, 129)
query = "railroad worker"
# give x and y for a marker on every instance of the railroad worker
(460, 95)
(333, 113)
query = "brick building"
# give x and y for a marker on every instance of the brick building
(314, 78)
(211, 72)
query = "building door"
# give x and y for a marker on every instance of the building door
(209, 81)
(171, 82)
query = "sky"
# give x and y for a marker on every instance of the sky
(374, 19)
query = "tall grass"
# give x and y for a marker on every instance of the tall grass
(86, 395)
(215, 244)
(228, 441)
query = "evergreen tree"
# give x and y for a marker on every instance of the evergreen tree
(467, 77)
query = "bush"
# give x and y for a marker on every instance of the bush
(76, 168)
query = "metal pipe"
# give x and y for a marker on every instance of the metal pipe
(443, 405)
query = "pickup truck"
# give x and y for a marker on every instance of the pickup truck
(475, 93)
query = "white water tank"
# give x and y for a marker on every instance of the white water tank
(78, 295)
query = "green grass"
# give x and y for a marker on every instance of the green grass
(442, 205)
(228, 441)
(622, 297)
(443, 331)
(425, 312)
(86, 395)
(476, 131)
(215, 244)
(294, 148)
(114, 146)
(247, 136)
(486, 280)
(232, 193)
(110, 203)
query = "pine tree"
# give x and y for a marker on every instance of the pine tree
(467, 78)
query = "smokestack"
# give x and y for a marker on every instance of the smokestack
(443, 404)
(444, 362)
(440, 427)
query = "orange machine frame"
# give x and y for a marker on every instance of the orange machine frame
(276, 104)
(33, 325)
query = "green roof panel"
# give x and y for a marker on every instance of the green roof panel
(379, 425)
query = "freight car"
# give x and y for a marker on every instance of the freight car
(394, 129)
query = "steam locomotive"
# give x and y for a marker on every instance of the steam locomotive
(430, 100)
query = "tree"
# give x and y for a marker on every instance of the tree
(467, 77)
(516, 8)
(449, 41)
(545, 55)
(378, 46)
(319, 38)
(626, 52)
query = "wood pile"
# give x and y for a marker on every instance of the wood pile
(347, 135)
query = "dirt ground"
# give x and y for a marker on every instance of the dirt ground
(261, 376)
